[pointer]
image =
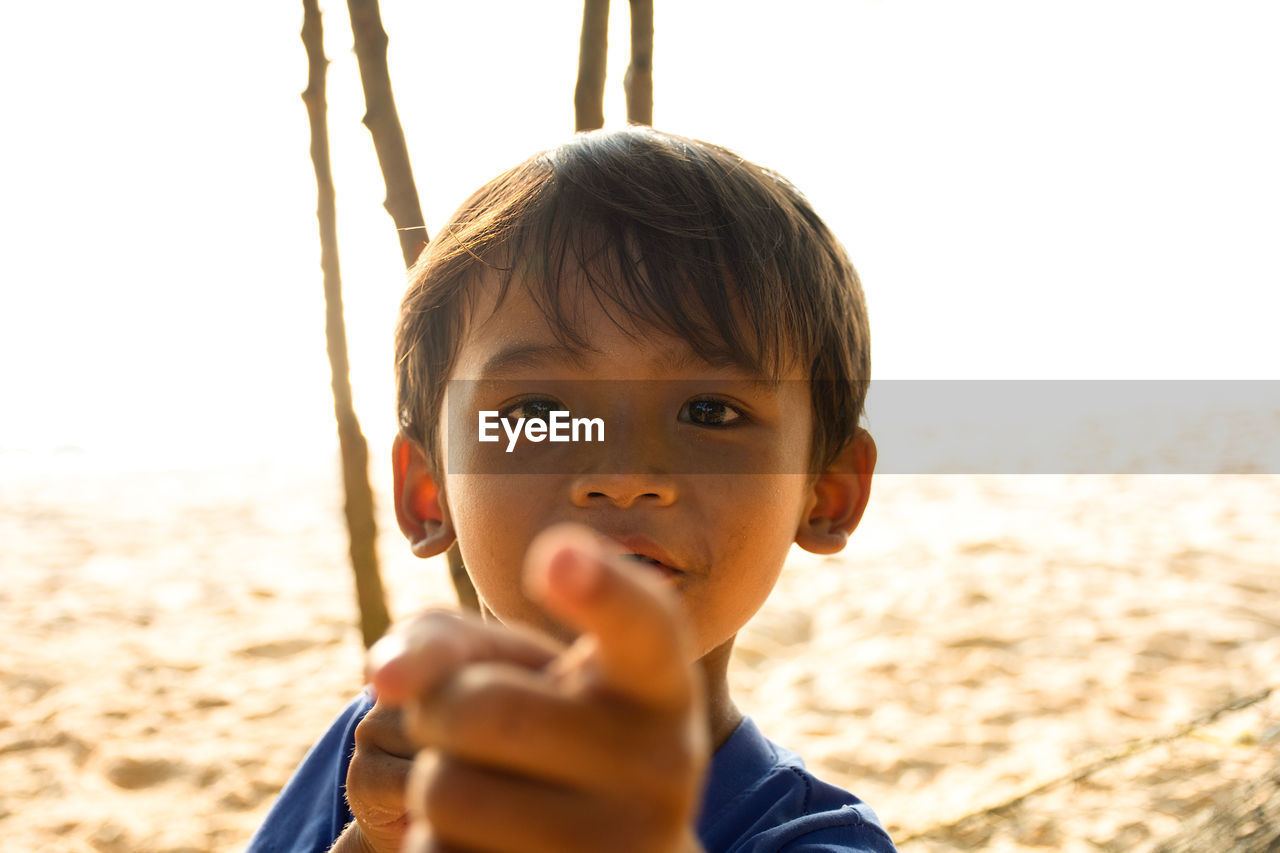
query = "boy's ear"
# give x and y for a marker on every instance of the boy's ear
(839, 497)
(420, 507)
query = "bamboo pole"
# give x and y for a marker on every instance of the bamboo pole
(358, 506)
(593, 50)
(638, 82)
(383, 121)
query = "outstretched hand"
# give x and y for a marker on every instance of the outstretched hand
(528, 745)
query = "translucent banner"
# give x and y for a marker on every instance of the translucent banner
(719, 426)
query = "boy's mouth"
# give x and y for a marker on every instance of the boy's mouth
(641, 558)
(647, 553)
(665, 570)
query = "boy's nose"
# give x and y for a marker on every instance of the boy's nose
(624, 490)
(631, 468)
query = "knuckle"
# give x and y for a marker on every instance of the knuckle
(372, 731)
(364, 734)
(369, 800)
(358, 777)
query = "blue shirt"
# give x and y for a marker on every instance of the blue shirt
(759, 799)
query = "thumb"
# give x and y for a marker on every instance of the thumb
(631, 622)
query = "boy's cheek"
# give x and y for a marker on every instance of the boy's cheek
(494, 560)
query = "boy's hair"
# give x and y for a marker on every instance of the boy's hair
(663, 232)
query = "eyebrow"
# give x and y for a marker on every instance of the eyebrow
(526, 356)
(520, 355)
(689, 359)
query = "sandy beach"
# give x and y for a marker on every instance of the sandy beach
(178, 638)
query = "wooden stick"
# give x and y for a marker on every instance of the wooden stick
(638, 82)
(361, 527)
(593, 51)
(383, 121)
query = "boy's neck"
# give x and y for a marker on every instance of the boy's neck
(723, 716)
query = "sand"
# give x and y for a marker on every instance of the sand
(176, 639)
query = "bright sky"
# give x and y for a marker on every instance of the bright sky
(1029, 190)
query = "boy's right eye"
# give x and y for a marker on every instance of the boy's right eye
(711, 412)
(535, 409)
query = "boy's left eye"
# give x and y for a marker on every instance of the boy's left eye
(710, 412)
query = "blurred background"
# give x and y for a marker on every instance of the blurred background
(1076, 190)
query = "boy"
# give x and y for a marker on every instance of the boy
(696, 307)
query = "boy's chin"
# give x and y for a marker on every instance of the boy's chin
(544, 625)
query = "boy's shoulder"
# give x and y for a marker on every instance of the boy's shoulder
(759, 798)
(312, 811)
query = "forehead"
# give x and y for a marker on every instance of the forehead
(512, 328)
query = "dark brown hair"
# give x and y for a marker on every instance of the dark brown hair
(665, 232)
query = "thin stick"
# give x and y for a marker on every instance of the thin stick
(638, 82)
(383, 121)
(355, 452)
(593, 51)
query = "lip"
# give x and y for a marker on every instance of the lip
(643, 547)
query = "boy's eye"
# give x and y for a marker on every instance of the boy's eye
(531, 410)
(710, 413)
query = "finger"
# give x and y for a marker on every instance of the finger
(516, 720)
(383, 729)
(416, 655)
(377, 775)
(458, 801)
(641, 649)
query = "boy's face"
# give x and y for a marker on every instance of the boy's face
(721, 537)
